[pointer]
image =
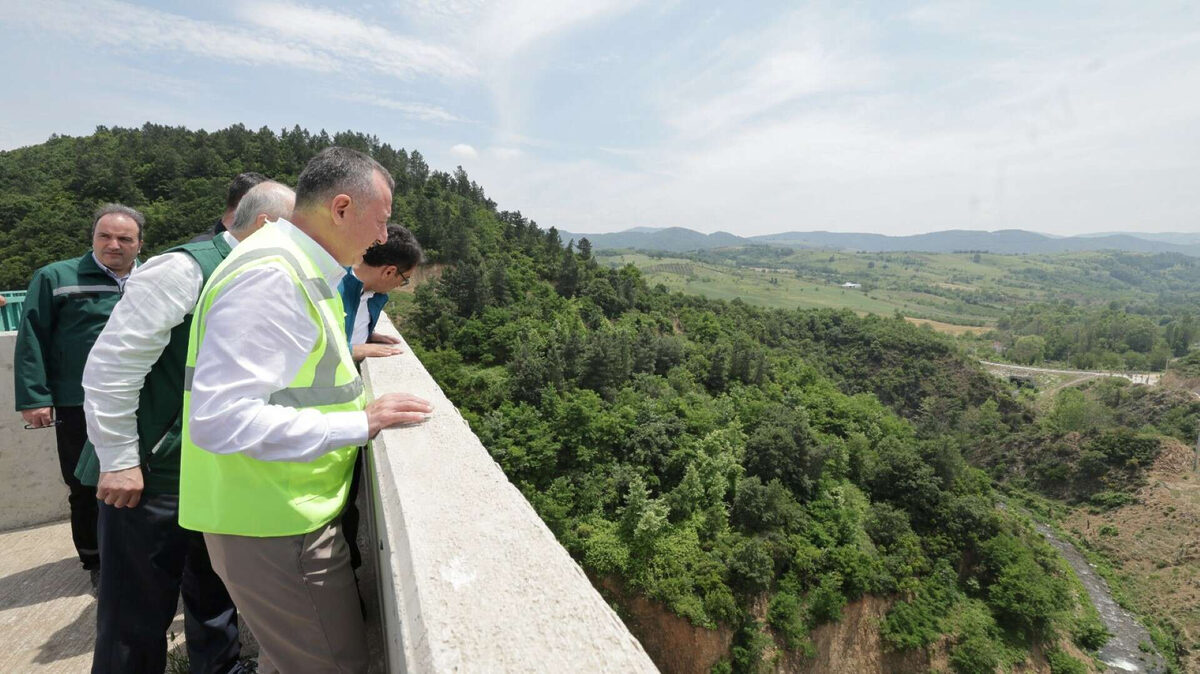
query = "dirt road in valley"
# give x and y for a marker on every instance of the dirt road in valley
(1148, 378)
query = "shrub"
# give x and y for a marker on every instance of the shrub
(1111, 500)
(786, 615)
(974, 654)
(1089, 633)
(1063, 663)
(752, 568)
(826, 599)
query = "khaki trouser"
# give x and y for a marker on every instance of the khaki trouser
(298, 596)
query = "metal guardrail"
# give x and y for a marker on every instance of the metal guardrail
(10, 313)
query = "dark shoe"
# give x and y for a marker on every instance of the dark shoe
(95, 575)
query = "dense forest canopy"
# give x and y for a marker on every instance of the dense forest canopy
(177, 178)
(749, 468)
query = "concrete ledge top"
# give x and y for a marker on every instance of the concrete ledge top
(478, 582)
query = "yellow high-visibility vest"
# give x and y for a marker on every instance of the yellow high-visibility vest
(238, 494)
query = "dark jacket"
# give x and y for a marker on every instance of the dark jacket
(208, 235)
(66, 307)
(351, 289)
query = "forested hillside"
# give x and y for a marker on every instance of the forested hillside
(178, 179)
(748, 469)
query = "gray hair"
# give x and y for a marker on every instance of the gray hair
(270, 197)
(119, 209)
(337, 170)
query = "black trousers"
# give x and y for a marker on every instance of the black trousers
(350, 513)
(71, 434)
(148, 560)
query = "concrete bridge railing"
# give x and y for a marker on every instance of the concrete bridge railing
(471, 579)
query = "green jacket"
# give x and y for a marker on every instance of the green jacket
(160, 403)
(66, 307)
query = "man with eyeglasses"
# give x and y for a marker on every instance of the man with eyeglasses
(384, 267)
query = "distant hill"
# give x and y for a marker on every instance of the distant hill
(671, 239)
(1007, 241)
(1181, 238)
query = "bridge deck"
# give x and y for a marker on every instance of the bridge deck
(47, 613)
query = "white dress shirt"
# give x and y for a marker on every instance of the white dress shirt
(258, 334)
(158, 296)
(362, 319)
(113, 275)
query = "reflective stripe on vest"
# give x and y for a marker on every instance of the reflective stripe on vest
(235, 493)
(323, 390)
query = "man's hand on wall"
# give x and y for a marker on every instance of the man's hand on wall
(394, 409)
(121, 488)
(380, 338)
(361, 351)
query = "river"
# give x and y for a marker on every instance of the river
(1122, 652)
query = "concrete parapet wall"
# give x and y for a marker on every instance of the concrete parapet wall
(471, 578)
(33, 491)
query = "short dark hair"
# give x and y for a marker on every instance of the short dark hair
(240, 186)
(402, 250)
(119, 209)
(337, 170)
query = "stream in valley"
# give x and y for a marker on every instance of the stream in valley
(1123, 652)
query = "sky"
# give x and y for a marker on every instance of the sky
(599, 116)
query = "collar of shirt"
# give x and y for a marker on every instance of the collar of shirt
(229, 239)
(366, 294)
(329, 267)
(119, 279)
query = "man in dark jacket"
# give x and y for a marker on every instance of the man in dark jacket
(241, 184)
(66, 307)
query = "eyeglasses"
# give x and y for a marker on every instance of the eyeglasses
(404, 280)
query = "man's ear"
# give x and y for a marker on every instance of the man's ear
(339, 206)
(389, 271)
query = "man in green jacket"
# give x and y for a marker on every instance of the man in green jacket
(66, 307)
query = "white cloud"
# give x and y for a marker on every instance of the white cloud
(496, 31)
(125, 26)
(354, 41)
(464, 151)
(512, 26)
(800, 56)
(820, 124)
(419, 111)
(277, 33)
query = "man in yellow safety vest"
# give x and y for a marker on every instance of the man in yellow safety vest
(274, 411)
